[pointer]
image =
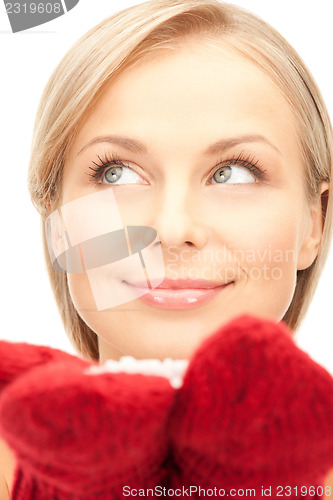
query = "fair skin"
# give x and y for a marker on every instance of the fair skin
(7, 468)
(177, 107)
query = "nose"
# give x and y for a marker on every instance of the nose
(178, 219)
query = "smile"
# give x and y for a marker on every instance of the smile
(180, 294)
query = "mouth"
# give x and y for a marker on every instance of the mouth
(179, 293)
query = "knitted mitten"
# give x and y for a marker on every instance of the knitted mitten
(81, 435)
(17, 358)
(255, 412)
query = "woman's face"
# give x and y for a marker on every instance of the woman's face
(201, 146)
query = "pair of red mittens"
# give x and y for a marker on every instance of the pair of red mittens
(254, 411)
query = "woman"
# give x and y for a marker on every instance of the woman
(204, 120)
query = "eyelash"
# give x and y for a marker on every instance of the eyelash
(246, 161)
(109, 161)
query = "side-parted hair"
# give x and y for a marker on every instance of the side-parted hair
(140, 33)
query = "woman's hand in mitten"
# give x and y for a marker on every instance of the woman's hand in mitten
(254, 411)
(17, 358)
(81, 435)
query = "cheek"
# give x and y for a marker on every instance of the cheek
(84, 302)
(258, 221)
(262, 237)
(268, 244)
(81, 293)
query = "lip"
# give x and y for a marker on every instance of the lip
(179, 293)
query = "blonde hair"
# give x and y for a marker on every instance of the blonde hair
(138, 33)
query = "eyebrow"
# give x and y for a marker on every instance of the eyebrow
(125, 142)
(139, 147)
(230, 142)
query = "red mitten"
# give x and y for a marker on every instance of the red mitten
(254, 411)
(18, 358)
(78, 435)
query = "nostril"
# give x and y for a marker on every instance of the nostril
(189, 243)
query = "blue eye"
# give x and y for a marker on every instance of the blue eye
(113, 171)
(232, 175)
(238, 170)
(112, 175)
(120, 175)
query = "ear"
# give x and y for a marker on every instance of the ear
(310, 246)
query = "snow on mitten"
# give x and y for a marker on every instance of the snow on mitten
(81, 435)
(17, 358)
(254, 411)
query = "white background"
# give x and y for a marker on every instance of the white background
(28, 311)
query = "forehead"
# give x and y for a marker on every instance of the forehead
(199, 90)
